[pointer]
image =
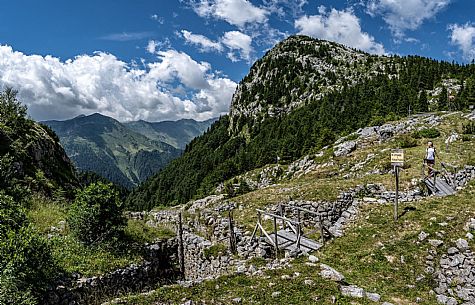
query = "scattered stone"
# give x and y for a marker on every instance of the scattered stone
(422, 236)
(352, 291)
(308, 282)
(462, 244)
(375, 297)
(276, 294)
(435, 242)
(329, 273)
(469, 235)
(237, 300)
(313, 259)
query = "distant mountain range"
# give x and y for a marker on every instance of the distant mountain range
(125, 153)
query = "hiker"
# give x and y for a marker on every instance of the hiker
(430, 158)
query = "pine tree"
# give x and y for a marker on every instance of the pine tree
(422, 104)
(442, 103)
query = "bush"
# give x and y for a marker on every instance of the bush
(26, 263)
(428, 133)
(469, 128)
(466, 138)
(406, 142)
(377, 121)
(96, 215)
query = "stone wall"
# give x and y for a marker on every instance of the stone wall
(156, 269)
(200, 266)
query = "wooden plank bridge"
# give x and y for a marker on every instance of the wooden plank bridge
(290, 234)
(440, 183)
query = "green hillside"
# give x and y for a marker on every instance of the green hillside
(105, 146)
(176, 133)
(302, 95)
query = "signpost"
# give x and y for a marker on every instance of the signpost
(397, 160)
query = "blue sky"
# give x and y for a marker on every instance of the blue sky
(160, 60)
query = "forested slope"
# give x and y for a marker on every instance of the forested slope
(293, 101)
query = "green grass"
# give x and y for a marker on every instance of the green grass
(139, 231)
(74, 257)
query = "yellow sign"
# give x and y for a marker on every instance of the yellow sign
(397, 157)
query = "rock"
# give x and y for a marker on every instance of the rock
(344, 148)
(313, 259)
(435, 242)
(329, 273)
(241, 269)
(237, 300)
(462, 244)
(308, 282)
(469, 235)
(276, 294)
(352, 291)
(422, 236)
(387, 303)
(452, 251)
(375, 297)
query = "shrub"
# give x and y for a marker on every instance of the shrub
(469, 128)
(428, 133)
(377, 121)
(26, 263)
(466, 138)
(96, 215)
(406, 142)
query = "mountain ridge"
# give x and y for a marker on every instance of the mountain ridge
(115, 150)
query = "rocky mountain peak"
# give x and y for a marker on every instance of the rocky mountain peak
(296, 71)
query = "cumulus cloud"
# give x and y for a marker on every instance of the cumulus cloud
(239, 43)
(53, 89)
(235, 12)
(403, 15)
(463, 36)
(340, 26)
(204, 43)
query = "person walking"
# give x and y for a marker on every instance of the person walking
(430, 158)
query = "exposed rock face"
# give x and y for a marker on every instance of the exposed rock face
(35, 152)
(344, 148)
(298, 59)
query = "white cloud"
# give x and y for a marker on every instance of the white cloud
(126, 36)
(403, 15)
(340, 26)
(157, 18)
(152, 46)
(463, 36)
(239, 42)
(284, 7)
(53, 89)
(204, 43)
(235, 12)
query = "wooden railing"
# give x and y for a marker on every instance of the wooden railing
(295, 225)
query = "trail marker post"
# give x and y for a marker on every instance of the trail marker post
(397, 161)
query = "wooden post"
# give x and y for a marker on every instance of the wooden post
(276, 238)
(321, 229)
(281, 208)
(181, 249)
(232, 237)
(396, 169)
(260, 223)
(435, 180)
